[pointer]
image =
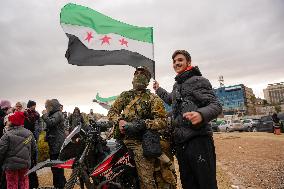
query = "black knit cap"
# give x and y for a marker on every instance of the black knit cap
(31, 103)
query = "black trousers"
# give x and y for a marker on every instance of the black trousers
(197, 163)
(58, 174)
(3, 183)
(33, 178)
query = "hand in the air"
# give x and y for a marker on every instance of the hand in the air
(121, 126)
(155, 85)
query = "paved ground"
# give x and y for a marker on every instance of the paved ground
(244, 160)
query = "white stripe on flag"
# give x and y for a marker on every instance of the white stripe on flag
(95, 43)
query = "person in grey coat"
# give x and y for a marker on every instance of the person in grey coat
(55, 137)
(17, 150)
(194, 104)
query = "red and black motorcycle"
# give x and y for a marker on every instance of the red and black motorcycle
(95, 162)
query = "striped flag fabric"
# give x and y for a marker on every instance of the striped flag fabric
(96, 39)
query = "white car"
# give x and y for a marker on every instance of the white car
(250, 124)
(237, 125)
(231, 125)
(225, 126)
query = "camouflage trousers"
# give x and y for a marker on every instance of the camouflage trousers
(145, 166)
(164, 168)
(164, 176)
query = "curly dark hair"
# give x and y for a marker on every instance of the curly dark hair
(184, 53)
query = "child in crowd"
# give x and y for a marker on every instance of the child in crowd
(17, 147)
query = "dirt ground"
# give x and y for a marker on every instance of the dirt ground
(251, 160)
(244, 160)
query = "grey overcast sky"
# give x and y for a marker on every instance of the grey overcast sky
(242, 40)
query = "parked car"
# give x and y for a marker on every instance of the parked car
(265, 124)
(231, 125)
(237, 125)
(225, 126)
(215, 125)
(281, 117)
(249, 124)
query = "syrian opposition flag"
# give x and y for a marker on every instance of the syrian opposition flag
(97, 40)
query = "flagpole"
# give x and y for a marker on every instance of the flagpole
(153, 54)
(154, 65)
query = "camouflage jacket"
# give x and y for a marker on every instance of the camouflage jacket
(147, 106)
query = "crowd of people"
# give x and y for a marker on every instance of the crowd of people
(20, 128)
(136, 115)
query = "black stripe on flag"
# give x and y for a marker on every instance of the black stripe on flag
(78, 54)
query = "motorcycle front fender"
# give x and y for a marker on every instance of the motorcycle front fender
(52, 163)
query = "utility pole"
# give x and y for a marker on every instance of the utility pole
(221, 81)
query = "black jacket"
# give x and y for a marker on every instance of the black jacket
(2, 125)
(55, 135)
(17, 148)
(191, 92)
(32, 122)
(74, 120)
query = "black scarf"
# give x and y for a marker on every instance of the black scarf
(180, 78)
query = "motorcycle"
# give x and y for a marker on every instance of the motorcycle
(95, 162)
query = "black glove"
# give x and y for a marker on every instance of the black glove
(186, 123)
(135, 129)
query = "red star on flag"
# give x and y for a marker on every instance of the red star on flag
(105, 39)
(89, 36)
(123, 42)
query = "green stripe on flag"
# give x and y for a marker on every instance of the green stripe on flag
(83, 16)
(101, 99)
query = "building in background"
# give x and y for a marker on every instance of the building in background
(274, 93)
(250, 100)
(236, 99)
(259, 102)
(264, 110)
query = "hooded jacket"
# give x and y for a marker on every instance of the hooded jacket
(191, 92)
(75, 119)
(54, 126)
(17, 147)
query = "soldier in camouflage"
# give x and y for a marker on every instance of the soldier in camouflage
(139, 109)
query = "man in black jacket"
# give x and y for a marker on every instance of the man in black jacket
(75, 119)
(32, 123)
(194, 105)
(32, 120)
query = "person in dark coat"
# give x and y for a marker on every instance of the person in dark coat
(194, 104)
(277, 123)
(32, 123)
(55, 136)
(75, 119)
(5, 107)
(17, 146)
(32, 120)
